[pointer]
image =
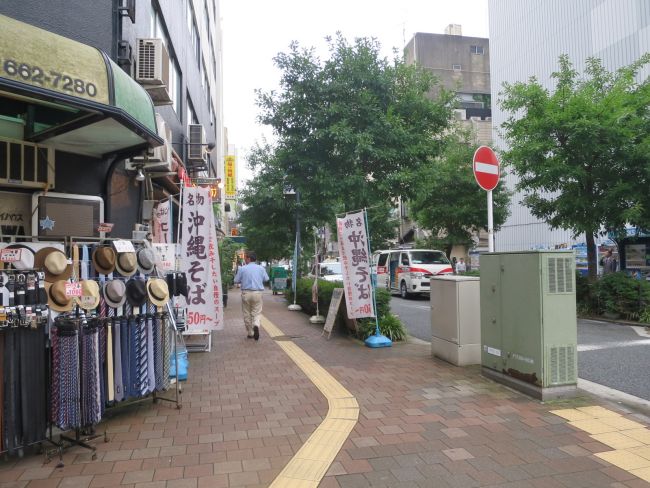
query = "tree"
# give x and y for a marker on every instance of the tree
(449, 202)
(352, 132)
(575, 151)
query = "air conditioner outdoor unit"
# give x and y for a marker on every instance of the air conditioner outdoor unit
(26, 165)
(158, 158)
(196, 146)
(153, 70)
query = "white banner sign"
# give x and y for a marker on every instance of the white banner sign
(200, 261)
(355, 264)
(162, 223)
(165, 256)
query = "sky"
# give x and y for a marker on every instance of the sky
(254, 31)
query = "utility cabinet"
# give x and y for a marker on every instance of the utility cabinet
(528, 321)
(455, 319)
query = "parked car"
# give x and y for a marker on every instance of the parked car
(329, 271)
(408, 271)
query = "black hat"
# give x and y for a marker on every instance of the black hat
(136, 292)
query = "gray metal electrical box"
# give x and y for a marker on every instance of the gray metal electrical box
(528, 321)
(455, 319)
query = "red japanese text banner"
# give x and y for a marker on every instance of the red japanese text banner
(355, 264)
(200, 261)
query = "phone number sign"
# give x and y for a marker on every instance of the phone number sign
(45, 60)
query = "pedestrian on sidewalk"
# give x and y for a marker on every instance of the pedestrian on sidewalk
(608, 263)
(251, 278)
(461, 267)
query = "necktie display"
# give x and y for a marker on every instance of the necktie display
(64, 369)
(65, 372)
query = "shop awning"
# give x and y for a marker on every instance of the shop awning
(68, 95)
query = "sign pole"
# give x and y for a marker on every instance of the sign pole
(485, 166)
(490, 222)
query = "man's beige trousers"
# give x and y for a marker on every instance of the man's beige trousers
(251, 305)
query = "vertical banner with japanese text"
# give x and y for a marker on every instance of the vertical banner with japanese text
(200, 261)
(231, 182)
(355, 264)
(161, 231)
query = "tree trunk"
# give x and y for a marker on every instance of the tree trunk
(592, 256)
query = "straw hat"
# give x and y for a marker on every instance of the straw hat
(126, 263)
(89, 298)
(57, 300)
(104, 259)
(158, 291)
(115, 293)
(54, 262)
(146, 260)
(136, 294)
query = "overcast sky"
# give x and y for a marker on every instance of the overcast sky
(254, 31)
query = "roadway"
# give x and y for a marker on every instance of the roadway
(613, 355)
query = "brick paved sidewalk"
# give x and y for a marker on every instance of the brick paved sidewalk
(425, 423)
(247, 409)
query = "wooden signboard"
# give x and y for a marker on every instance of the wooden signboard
(337, 295)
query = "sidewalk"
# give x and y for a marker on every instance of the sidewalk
(248, 408)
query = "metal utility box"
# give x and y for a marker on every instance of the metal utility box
(455, 319)
(528, 321)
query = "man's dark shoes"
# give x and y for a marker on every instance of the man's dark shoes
(256, 332)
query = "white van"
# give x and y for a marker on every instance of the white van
(408, 271)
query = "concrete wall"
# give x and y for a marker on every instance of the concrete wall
(439, 52)
(64, 17)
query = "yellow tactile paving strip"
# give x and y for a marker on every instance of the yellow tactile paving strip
(311, 462)
(630, 440)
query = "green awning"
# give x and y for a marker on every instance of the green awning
(69, 95)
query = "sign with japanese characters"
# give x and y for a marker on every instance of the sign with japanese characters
(200, 261)
(162, 223)
(231, 182)
(355, 264)
(165, 256)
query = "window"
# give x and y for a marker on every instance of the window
(157, 30)
(476, 50)
(405, 259)
(191, 114)
(194, 33)
(456, 67)
(382, 259)
(204, 79)
(175, 86)
(429, 257)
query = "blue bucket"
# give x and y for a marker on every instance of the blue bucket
(183, 362)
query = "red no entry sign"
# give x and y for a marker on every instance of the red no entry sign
(486, 168)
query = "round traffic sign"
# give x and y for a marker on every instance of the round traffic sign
(486, 168)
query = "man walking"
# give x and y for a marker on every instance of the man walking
(251, 277)
(608, 263)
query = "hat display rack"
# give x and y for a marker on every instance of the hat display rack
(109, 347)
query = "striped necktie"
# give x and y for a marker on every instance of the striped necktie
(143, 373)
(158, 355)
(167, 349)
(151, 373)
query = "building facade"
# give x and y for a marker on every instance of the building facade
(173, 49)
(527, 39)
(461, 64)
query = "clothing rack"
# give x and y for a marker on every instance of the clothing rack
(32, 317)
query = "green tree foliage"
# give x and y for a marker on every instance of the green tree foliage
(449, 202)
(227, 252)
(575, 150)
(351, 130)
